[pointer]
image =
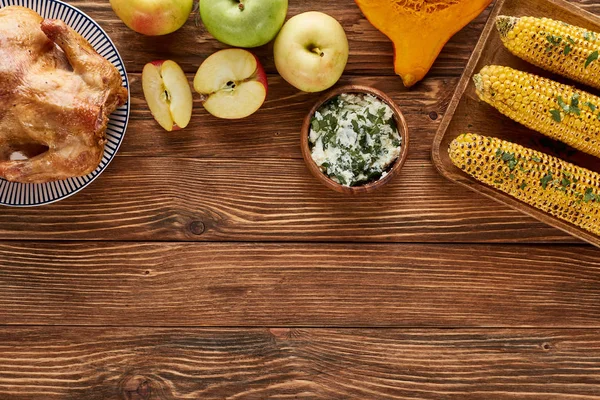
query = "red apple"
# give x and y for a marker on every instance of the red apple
(153, 17)
(233, 84)
(168, 94)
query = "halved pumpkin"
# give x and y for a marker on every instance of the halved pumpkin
(419, 29)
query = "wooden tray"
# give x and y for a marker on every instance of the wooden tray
(467, 113)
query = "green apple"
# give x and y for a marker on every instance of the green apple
(243, 23)
(153, 17)
(311, 51)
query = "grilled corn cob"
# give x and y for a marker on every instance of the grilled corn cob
(557, 187)
(558, 111)
(555, 46)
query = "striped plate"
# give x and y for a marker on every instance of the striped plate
(29, 195)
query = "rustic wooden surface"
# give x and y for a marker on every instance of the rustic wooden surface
(209, 264)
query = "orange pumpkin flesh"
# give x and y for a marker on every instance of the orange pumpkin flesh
(419, 29)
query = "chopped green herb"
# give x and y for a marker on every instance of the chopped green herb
(590, 106)
(523, 186)
(508, 156)
(589, 36)
(570, 39)
(511, 177)
(567, 50)
(556, 115)
(554, 40)
(341, 179)
(546, 179)
(563, 105)
(593, 57)
(536, 159)
(565, 181)
(590, 196)
(575, 100)
(314, 123)
(372, 118)
(499, 153)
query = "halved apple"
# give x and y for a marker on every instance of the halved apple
(168, 94)
(232, 83)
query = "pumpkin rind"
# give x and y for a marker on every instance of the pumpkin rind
(419, 29)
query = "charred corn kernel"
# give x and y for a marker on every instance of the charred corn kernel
(564, 190)
(555, 46)
(553, 109)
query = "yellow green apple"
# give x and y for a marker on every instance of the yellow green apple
(311, 51)
(243, 23)
(153, 17)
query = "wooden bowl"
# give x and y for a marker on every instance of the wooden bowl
(392, 171)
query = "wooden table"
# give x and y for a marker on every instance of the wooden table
(209, 264)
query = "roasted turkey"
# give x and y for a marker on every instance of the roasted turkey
(56, 94)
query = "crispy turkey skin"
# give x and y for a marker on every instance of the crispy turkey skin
(56, 93)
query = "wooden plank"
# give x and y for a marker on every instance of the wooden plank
(147, 198)
(274, 131)
(153, 364)
(154, 284)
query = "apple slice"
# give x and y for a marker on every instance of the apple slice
(168, 94)
(233, 84)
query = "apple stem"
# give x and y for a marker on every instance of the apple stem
(318, 51)
(241, 5)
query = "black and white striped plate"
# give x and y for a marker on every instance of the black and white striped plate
(28, 195)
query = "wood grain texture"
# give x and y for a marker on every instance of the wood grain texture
(154, 284)
(159, 364)
(137, 309)
(267, 200)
